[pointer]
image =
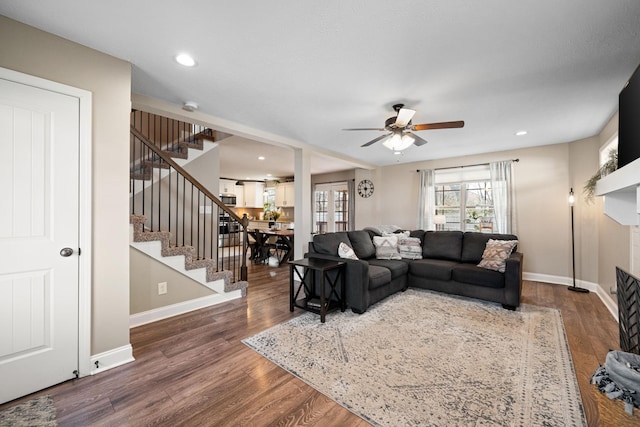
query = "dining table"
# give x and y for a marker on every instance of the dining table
(271, 243)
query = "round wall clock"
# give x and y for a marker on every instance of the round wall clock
(365, 188)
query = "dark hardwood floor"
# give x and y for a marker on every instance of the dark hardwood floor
(192, 369)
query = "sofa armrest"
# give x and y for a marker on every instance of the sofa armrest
(356, 280)
(513, 279)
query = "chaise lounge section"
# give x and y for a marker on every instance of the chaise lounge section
(449, 264)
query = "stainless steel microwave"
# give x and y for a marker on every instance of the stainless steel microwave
(228, 199)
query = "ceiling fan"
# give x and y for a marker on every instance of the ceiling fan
(400, 128)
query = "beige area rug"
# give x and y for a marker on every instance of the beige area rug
(428, 359)
(39, 412)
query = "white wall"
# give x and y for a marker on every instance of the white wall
(31, 51)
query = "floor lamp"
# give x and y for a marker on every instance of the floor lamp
(573, 248)
(439, 221)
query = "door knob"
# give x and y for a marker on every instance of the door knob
(65, 252)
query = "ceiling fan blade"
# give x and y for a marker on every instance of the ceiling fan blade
(442, 125)
(404, 117)
(417, 141)
(365, 129)
(373, 141)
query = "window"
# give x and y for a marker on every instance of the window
(607, 148)
(464, 197)
(331, 208)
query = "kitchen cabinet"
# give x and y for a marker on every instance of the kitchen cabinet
(227, 186)
(239, 191)
(253, 195)
(284, 194)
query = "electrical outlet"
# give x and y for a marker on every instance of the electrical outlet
(162, 288)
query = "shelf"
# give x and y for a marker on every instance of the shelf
(621, 191)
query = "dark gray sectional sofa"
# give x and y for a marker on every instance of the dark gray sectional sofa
(449, 264)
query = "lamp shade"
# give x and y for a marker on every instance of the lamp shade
(572, 199)
(439, 219)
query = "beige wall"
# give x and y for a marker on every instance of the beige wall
(31, 51)
(544, 176)
(146, 273)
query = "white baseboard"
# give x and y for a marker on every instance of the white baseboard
(111, 359)
(160, 313)
(568, 281)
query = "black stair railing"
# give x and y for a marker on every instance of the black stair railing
(172, 200)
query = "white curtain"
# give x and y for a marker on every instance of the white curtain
(426, 200)
(504, 201)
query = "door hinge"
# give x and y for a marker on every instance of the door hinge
(79, 251)
(76, 373)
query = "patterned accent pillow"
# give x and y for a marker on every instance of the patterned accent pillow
(496, 253)
(410, 247)
(344, 251)
(386, 247)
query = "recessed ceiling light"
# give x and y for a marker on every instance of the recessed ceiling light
(521, 133)
(269, 174)
(397, 153)
(260, 157)
(186, 60)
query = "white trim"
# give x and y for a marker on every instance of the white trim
(84, 205)
(111, 359)
(568, 281)
(160, 313)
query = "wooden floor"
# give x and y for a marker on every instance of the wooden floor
(193, 370)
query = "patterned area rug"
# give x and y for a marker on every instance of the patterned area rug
(39, 412)
(423, 358)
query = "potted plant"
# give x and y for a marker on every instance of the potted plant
(609, 166)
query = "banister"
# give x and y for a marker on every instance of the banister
(166, 158)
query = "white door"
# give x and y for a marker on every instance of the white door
(39, 146)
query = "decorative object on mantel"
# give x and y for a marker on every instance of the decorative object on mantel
(423, 358)
(609, 166)
(574, 288)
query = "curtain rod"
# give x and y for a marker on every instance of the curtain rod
(467, 166)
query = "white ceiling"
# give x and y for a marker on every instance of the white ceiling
(306, 69)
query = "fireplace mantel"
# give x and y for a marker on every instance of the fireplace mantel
(621, 191)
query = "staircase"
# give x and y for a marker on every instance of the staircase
(174, 218)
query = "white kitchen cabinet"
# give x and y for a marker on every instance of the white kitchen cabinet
(253, 194)
(239, 191)
(227, 186)
(284, 194)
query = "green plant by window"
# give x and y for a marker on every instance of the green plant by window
(604, 170)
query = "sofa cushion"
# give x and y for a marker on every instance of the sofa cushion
(328, 243)
(397, 268)
(386, 247)
(474, 275)
(362, 244)
(410, 247)
(378, 276)
(475, 243)
(437, 269)
(345, 251)
(496, 253)
(445, 245)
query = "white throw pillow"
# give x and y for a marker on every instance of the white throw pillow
(386, 247)
(410, 247)
(345, 251)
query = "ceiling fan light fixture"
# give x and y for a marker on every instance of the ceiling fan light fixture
(398, 142)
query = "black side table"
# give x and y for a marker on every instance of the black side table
(319, 304)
